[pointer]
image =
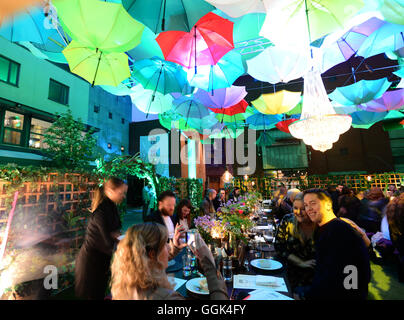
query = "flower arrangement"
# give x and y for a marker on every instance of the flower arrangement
(209, 228)
(251, 200)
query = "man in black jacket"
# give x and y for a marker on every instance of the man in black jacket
(165, 212)
(342, 268)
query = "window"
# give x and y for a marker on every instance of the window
(123, 121)
(9, 71)
(38, 128)
(110, 115)
(96, 109)
(58, 92)
(13, 128)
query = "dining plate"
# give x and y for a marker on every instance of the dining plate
(194, 286)
(266, 264)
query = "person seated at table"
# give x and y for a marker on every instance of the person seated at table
(342, 261)
(234, 195)
(140, 261)
(220, 200)
(207, 206)
(294, 242)
(183, 213)
(395, 217)
(165, 212)
(286, 205)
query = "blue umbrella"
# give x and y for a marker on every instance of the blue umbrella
(389, 37)
(27, 26)
(360, 92)
(189, 107)
(366, 119)
(159, 75)
(260, 121)
(218, 76)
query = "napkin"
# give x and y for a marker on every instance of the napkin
(267, 281)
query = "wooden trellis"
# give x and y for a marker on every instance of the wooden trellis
(267, 185)
(56, 193)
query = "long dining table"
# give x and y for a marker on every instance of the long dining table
(267, 250)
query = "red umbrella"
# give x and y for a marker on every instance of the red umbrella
(283, 125)
(234, 109)
(208, 41)
(402, 122)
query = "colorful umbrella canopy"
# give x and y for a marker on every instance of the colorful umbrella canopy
(239, 107)
(296, 23)
(238, 8)
(237, 118)
(164, 15)
(265, 140)
(203, 125)
(148, 47)
(297, 109)
(276, 103)
(366, 119)
(10, 8)
(226, 133)
(208, 41)
(389, 37)
(390, 100)
(97, 67)
(275, 65)
(392, 10)
(283, 125)
(116, 31)
(360, 92)
(260, 121)
(218, 76)
(346, 46)
(159, 75)
(149, 101)
(189, 107)
(28, 25)
(221, 98)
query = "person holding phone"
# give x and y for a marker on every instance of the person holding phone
(92, 269)
(140, 261)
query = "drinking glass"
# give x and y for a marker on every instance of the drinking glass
(186, 265)
(227, 270)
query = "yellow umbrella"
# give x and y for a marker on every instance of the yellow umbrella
(96, 66)
(276, 103)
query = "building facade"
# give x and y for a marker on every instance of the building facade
(33, 91)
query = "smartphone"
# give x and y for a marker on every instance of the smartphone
(190, 238)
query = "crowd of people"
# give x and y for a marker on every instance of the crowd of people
(326, 238)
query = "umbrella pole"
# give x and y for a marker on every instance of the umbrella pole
(96, 70)
(195, 48)
(163, 21)
(186, 122)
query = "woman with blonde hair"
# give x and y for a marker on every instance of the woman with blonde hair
(92, 269)
(140, 261)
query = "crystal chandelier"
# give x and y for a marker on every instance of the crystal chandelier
(319, 125)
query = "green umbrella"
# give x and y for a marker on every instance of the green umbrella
(98, 24)
(164, 15)
(296, 23)
(297, 109)
(265, 140)
(149, 101)
(95, 66)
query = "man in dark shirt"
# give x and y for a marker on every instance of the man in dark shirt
(342, 262)
(220, 200)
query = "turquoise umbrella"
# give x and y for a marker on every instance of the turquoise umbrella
(218, 76)
(265, 140)
(360, 92)
(189, 107)
(147, 48)
(163, 15)
(159, 75)
(203, 125)
(148, 101)
(389, 37)
(366, 119)
(27, 26)
(260, 121)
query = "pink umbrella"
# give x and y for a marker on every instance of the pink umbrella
(390, 100)
(209, 40)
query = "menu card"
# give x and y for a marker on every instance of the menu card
(245, 281)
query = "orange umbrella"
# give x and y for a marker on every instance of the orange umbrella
(9, 8)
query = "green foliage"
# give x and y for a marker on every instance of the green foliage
(67, 144)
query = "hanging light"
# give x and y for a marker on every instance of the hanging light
(319, 125)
